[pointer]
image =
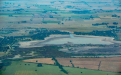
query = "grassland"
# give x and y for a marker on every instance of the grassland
(25, 73)
(51, 21)
(22, 68)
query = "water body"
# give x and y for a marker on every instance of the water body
(77, 40)
(64, 39)
(71, 35)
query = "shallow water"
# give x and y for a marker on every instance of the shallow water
(71, 35)
(64, 39)
(76, 40)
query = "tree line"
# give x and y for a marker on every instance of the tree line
(98, 33)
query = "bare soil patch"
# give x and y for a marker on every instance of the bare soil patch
(105, 64)
(41, 60)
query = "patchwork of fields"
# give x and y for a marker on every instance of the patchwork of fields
(30, 20)
(23, 68)
(63, 15)
(101, 64)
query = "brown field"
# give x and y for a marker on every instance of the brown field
(87, 66)
(110, 66)
(106, 64)
(41, 60)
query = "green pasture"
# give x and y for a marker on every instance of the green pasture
(51, 21)
(15, 14)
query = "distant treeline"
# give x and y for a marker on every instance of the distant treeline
(4, 49)
(98, 33)
(51, 21)
(8, 40)
(97, 24)
(38, 34)
(100, 24)
(41, 34)
(18, 9)
(81, 12)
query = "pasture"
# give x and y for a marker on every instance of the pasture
(23, 68)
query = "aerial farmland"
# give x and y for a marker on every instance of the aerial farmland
(60, 37)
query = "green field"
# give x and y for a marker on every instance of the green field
(22, 68)
(51, 21)
(15, 13)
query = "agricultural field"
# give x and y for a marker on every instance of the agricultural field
(27, 68)
(103, 64)
(59, 15)
(23, 22)
(31, 68)
(41, 60)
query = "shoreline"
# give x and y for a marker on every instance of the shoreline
(37, 43)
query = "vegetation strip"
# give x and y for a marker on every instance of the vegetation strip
(60, 66)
